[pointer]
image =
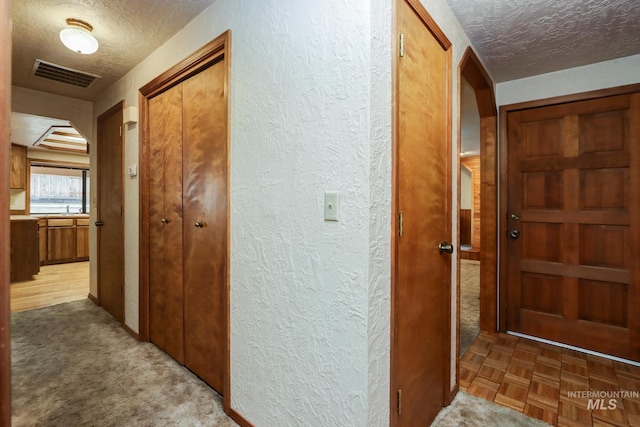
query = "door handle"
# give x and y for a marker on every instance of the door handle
(99, 223)
(165, 220)
(199, 224)
(445, 247)
(514, 234)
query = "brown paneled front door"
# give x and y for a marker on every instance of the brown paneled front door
(574, 224)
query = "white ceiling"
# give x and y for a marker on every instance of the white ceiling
(520, 38)
(127, 30)
(514, 38)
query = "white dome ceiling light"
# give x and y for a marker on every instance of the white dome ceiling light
(78, 38)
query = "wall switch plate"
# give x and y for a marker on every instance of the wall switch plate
(331, 204)
(133, 170)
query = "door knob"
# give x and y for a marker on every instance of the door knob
(515, 216)
(199, 224)
(99, 223)
(165, 220)
(445, 247)
(514, 234)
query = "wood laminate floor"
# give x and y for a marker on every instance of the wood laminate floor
(55, 284)
(539, 379)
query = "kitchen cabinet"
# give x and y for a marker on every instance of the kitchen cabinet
(61, 240)
(18, 167)
(42, 241)
(24, 248)
(82, 239)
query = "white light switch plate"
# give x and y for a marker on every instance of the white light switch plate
(331, 204)
(133, 170)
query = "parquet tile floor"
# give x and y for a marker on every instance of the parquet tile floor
(537, 378)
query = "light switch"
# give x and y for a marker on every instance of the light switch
(331, 203)
(133, 170)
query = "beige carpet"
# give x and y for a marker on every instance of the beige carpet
(470, 411)
(469, 303)
(73, 365)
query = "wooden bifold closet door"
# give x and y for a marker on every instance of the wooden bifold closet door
(188, 222)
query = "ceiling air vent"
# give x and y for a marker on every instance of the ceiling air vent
(62, 74)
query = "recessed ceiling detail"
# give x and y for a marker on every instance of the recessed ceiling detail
(63, 138)
(62, 74)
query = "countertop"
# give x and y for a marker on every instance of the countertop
(48, 216)
(23, 218)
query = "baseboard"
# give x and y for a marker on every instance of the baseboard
(452, 395)
(132, 332)
(239, 419)
(94, 299)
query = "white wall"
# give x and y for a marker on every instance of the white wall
(300, 86)
(53, 156)
(310, 112)
(379, 297)
(466, 188)
(602, 75)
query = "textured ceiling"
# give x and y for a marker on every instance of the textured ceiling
(520, 38)
(127, 30)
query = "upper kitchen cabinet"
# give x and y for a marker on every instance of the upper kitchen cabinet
(18, 167)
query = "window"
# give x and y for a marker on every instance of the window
(59, 189)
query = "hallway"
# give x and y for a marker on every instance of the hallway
(537, 379)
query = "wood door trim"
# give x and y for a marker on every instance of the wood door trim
(101, 117)
(504, 111)
(430, 23)
(474, 72)
(217, 50)
(5, 155)
(190, 65)
(439, 35)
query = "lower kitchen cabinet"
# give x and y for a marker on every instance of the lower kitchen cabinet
(63, 240)
(82, 239)
(24, 248)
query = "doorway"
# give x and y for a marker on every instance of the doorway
(110, 216)
(421, 266)
(469, 216)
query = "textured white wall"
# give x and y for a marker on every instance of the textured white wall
(379, 332)
(300, 125)
(310, 112)
(601, 75)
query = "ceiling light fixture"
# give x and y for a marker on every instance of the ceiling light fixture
(78, 38)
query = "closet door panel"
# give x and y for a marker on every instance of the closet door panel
(205, 216)
(165, 211)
